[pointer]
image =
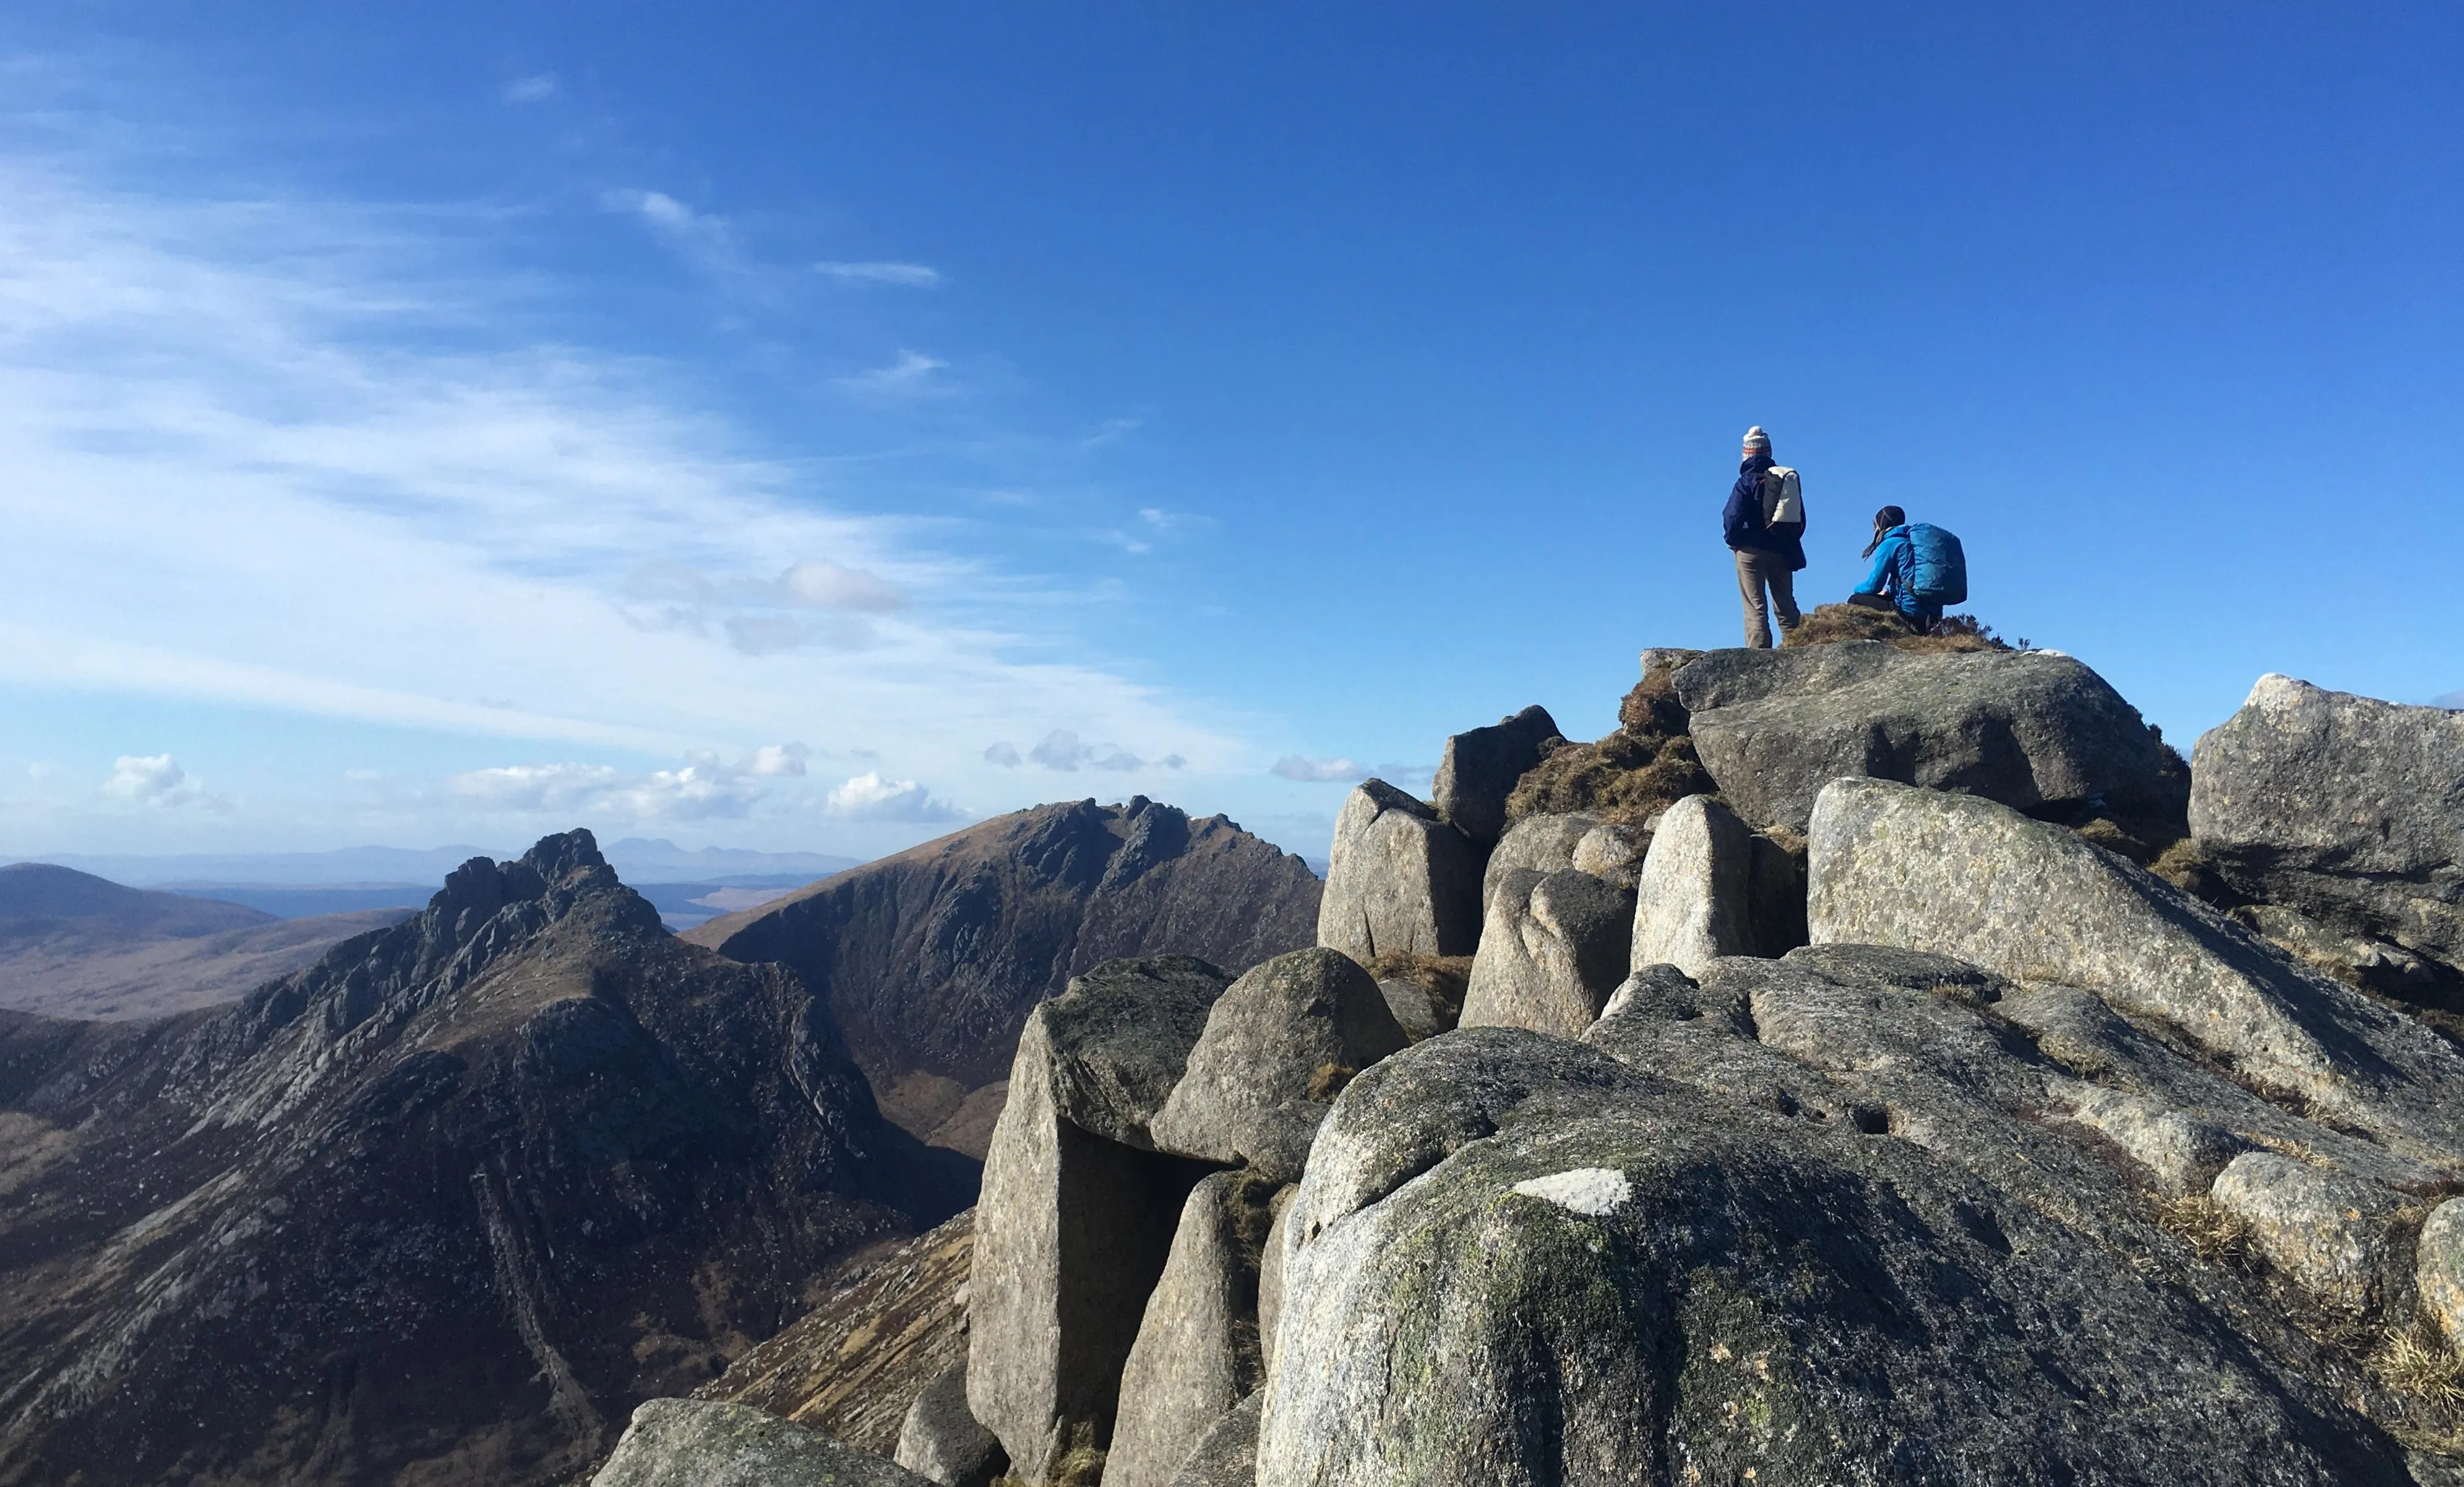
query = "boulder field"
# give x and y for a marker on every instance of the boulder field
(1870, 1119)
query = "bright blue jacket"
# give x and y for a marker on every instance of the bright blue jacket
(1894, 573)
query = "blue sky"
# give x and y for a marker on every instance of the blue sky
(816, 427)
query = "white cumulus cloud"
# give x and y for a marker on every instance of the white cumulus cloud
(775, 760)
(703, 789)
(869, 797)
(154, 779)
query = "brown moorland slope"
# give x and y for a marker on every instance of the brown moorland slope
(73, 944)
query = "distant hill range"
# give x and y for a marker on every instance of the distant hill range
(441, 1207)
(930, 961)
(74, 945)
(682, 906)
(638, 858)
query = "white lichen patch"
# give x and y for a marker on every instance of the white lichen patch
(1590, 1190)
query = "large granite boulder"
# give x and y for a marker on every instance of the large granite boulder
(2438, 1271)
(1276, 1048)
(1553, 949)
(2333, 1235)
(700, 1442)
(2347, 809)
(1398, 878)
(1712, 886)
(1827, 1218)
(2027, 728)
(1543, 843)
(1961, 876)
(1197, 1354)
(1078, 1211)
(1479, 767)
(1578, 839)
(941, 1442)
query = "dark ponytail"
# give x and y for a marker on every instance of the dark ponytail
(1885, 520)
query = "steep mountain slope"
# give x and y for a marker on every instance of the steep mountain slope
(75, 945)
(930, 961)
(440, 1208)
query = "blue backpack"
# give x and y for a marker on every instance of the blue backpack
(1937, 566)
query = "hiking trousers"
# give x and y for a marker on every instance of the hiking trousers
(1757, 572)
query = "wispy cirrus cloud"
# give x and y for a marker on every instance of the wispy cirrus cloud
(1296, 766)
(704, 239)
(911, 375)
(483, 531)
(536, 88)
(901, 275)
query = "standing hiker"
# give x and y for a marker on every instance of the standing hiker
(1916, 569)
(1765, 527)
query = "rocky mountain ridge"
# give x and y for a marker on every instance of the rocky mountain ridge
(1865, 1117)
(930, 961)
(441, 1207)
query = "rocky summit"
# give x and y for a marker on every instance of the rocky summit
(443, 1207)
(1942, 1098)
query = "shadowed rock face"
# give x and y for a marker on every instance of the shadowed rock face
(444, 1207)
(1479, 767)
(2347, 808)
(930, 961)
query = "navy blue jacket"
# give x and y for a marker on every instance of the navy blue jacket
(1742, 523)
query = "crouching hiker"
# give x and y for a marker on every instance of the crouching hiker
(1918, 569)
(1765, 527)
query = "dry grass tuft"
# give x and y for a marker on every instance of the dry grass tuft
(1832, 622)
(1446, 978)
(1635, 773)
(2420, 1364)
(2214, 1234)
(1328, 1080)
